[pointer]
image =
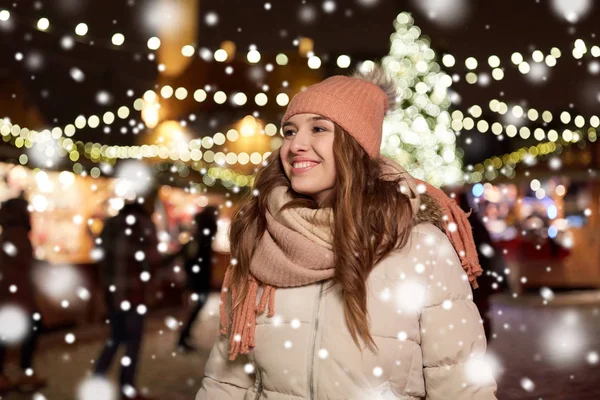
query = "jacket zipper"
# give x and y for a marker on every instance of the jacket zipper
(260, 387)
(314, 344)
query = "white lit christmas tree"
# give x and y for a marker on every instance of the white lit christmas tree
(418, 133)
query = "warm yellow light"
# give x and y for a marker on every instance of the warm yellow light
(516, 58)
(123, 112)
(220, 97)
(305, 46)
(166, 91)
(343, 61)
(81, 29)
(118, 39)
(314, 62)
(282, 99)
(150, 113)
(281, 59)
(494, 61)
(471, 63)
(4, 15)
(240, 99)
(448, 60)
(43, 24)
(200, 95)
(253, 56)
(188, 50)
(153, 43)
(181, 93)
(220, 55)
(261, 99)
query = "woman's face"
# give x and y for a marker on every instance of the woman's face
(307, 154)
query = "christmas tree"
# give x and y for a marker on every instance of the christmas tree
(418, 133)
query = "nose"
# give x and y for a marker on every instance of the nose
(300, 142)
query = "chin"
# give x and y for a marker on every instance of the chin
(308, 189)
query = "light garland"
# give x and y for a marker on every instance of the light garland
(534, 115)
(517, 60)
(493, 167)
(225, 53)
(97, 153)
(460, 122)
(421, 136)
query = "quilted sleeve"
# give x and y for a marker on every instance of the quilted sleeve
(225, 379)
(453, 342)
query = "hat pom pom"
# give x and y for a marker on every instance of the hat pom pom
(378, 76)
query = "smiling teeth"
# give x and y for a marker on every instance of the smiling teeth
(304, 164)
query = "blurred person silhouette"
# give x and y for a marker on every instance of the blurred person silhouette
(492, 280)
(198, 259)
(17, 289)
(129, 242)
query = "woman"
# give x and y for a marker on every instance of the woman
(363, 275)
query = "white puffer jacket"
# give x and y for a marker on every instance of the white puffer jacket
(427, 329)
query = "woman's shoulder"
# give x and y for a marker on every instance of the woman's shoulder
(425, 245)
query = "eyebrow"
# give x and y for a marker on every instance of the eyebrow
(315, 118)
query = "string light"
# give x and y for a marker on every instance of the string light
(461, 122)
(538, 59)
(81, 29)
(493, 167)
(427, 98)
(534, 115)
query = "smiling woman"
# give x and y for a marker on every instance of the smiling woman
(327, 208)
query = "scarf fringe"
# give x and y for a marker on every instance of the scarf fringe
(243, 318)
(459, 232)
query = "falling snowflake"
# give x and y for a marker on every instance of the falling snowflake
(486, 250)
(9, 249)
(134, 179)
(482, 370)
(96, 388)
(547, 293)
(14, 323)
(527, 384)
(70, 338)
(571, 10)
(34, 61)
(83, 294)
(409, 296)
(447, 13)
(67, 43)
(58, 282)
(307, 14)
(367, 3)
(329, 6)
(592, 358)
(538, 73)
(103, 98)
(77, 74)
(211, 18)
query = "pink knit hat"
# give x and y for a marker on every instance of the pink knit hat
(357, 104)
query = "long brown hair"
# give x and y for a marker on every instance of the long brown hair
(372, 213)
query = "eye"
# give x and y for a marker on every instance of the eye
(319, 129)
(287, 132)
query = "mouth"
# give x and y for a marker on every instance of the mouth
(298, 168)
